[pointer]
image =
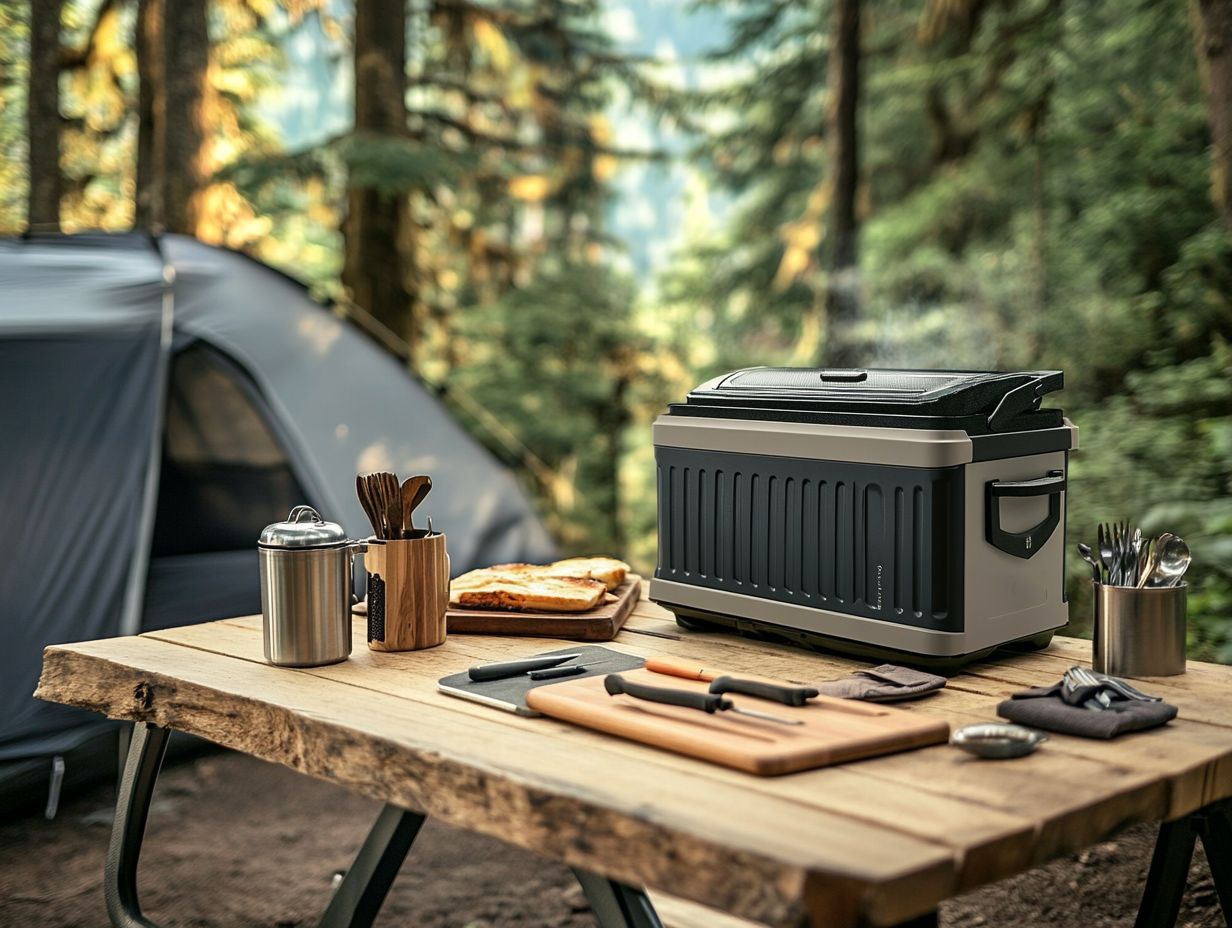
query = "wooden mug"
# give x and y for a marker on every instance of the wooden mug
(408, 592)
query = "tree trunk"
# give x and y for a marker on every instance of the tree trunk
(43, 117)
(151, 114)
(842, 297)
(374, 268)
(1213, 38)
(186, 133)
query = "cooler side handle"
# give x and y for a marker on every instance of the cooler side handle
(1023, 544)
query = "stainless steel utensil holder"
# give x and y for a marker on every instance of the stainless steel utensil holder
(1139, 632)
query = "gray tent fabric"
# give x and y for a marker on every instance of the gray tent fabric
(272, 399)
(79, 345)
(306, 365)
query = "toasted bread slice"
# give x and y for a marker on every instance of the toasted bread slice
(528, 593)
(608, 570)
(477, 578)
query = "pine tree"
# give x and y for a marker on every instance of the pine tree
(1213, 38)
(43, 117)
(187, 164)
(151, 114)
(376, 266)
(842, 286)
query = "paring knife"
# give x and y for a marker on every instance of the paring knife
(505, 669)
(616, 685)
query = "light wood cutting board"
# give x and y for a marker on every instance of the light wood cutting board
(599, 624)
(834, 730)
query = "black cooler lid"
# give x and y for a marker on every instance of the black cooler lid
(979, 402)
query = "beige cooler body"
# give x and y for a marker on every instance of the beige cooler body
(899, 542)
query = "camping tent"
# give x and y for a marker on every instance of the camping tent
(160, 402)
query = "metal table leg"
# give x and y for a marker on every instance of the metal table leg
(363, 889)
(355, 903)
(1215, 830)
(616, 905)
(1165, 882)
(145, 756)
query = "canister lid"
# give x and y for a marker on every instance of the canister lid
(304, 528)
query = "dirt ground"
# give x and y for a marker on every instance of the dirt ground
(236, 842)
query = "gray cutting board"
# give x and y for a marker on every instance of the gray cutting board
(510, 694)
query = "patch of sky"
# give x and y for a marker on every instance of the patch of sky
(655, 202)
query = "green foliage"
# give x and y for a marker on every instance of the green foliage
(553, 362)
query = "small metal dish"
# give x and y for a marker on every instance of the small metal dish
(997, 741)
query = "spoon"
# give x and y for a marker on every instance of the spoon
(1096, 573)
(414, 489)
(1172, 561)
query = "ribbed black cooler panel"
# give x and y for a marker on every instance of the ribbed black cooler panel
(869, 540)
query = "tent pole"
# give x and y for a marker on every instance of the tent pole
(134, 592)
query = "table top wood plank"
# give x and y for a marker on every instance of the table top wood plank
(752, 856)
(812, 842)
(969, 830)
(1182, 756)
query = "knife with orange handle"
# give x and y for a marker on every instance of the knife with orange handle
(721, 682)
(675, 667)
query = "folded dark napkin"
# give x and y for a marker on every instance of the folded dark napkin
(1054, 708)
(885, 683)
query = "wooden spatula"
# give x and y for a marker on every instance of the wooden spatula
(414, 489)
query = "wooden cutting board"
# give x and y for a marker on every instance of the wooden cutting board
(600, 624)
(834, 730)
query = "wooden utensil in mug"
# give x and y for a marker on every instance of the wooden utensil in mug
(412, 577)
(414, 489)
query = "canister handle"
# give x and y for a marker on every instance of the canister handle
(1023, 544)
(299, 512)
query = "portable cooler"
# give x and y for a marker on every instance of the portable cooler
(918, 515)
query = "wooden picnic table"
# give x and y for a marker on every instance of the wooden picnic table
(878, 842)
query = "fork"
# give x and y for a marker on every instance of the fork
(1104, 540)
(1075, 677)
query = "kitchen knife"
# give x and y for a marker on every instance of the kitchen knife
(506, 669)
(693, 670)
(787, 695)
(616, 685)
(675, 667)
(553, 673)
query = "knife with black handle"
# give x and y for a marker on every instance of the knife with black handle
(617, 685)
(787, 695)
(516, 668)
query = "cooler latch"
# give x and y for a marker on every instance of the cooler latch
(1023, 544)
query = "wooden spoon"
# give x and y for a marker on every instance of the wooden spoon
(414, 489)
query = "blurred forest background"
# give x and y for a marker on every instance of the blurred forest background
(563, 214)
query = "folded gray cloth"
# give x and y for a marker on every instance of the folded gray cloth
(886, 683)
(1046, 707)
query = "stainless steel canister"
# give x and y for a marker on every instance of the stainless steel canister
(1139, 633)
(306, 566)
